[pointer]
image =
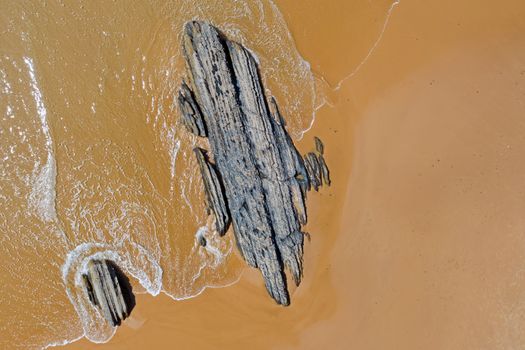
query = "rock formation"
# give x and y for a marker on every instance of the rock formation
(109, 290)
(259, 180)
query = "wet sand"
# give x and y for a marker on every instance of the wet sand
(95, 163)
(420, 241)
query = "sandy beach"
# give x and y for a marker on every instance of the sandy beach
(419, 243)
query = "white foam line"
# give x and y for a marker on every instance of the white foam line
(43, 194)
(353, 73)
(41, 108)
(62, 343)
(312, 121)
(325, 101)
(173, 155)
(173, 152)
(372, 49)
(204, 288)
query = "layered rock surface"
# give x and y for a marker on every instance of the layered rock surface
(259, 180)
(109, 290)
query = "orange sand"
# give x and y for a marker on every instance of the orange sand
(420, 241)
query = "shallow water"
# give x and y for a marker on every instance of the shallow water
(94, 162)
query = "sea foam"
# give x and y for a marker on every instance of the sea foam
(43, 195)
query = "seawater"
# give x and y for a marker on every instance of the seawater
(94, 162)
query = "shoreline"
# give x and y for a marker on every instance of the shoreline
(417, 244)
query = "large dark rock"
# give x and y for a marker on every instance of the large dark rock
(109, 290)
(259, 178)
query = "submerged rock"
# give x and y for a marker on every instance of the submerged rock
(259, 179)
(109, 290)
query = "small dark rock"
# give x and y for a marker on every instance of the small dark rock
(108, 289)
